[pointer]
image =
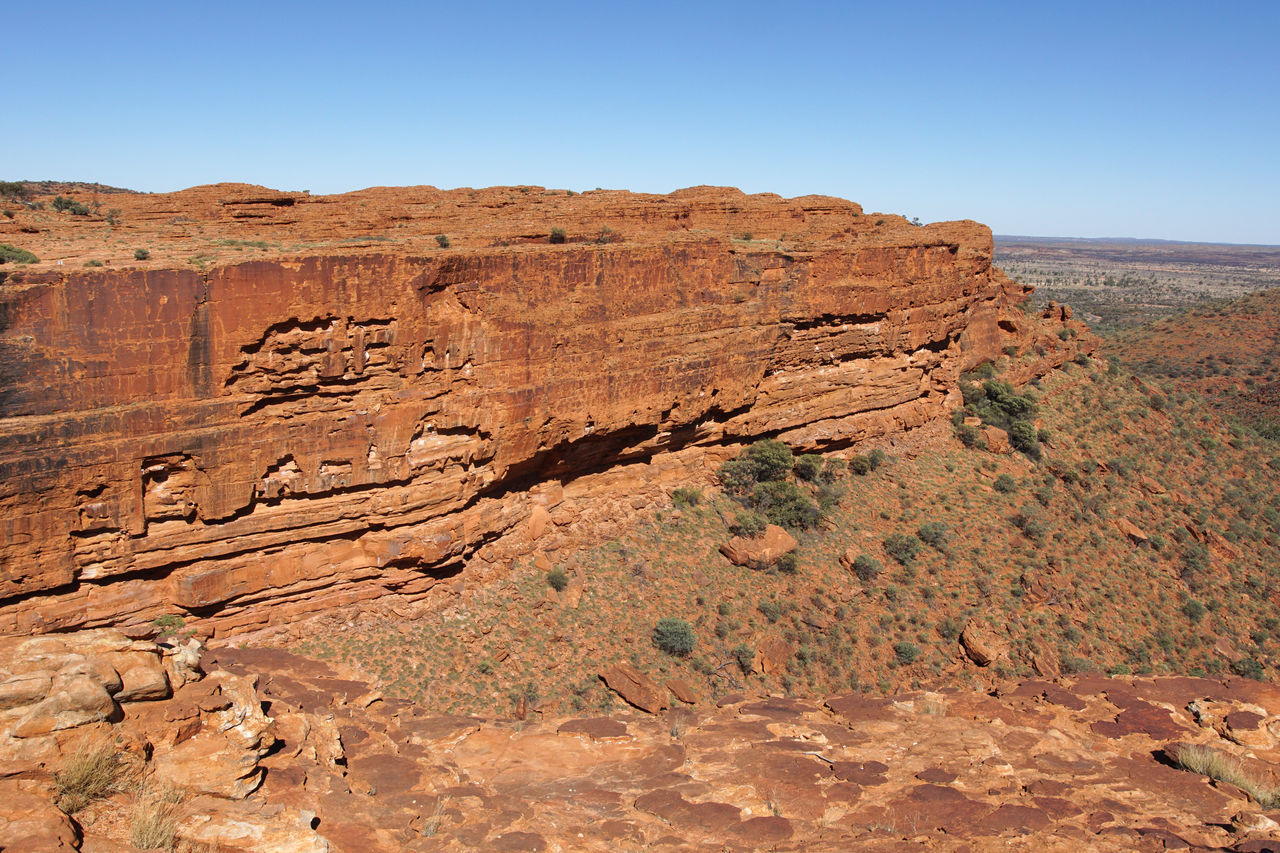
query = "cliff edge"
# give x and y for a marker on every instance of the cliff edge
(335, 398)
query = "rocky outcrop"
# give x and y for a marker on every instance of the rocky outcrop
(981, 645)
(219, 734)
(759, 551)
(1091, 762)
(635, 687)
(325, 429)
(55, 683)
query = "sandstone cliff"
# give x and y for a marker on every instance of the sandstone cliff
(243, 442)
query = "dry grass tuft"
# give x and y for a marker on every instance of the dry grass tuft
(154, 822)
(1218, 765)
(88, 774)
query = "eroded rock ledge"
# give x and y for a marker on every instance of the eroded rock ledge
(265, 439)
(270, 751)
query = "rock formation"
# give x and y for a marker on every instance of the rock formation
(252, 441)
(1089, 763)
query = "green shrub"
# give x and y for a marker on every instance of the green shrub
(744, 656)
(1028, 521)
(969, 435)
(808, 466)
(765, 460)
(674, 636)
(93, 263)
(859, 465)
(997, 403)
(876, 458)
(1005, 483)
(769, 459)
(787, 563)
(1195, 564)
(1023, 437)
(557, 579)
(903, 547)
(905, 652)
(866, 568)
(1248, 667)
(785, 505)
(1072, 664)
(771, 610)
(442, 241)
(833, 469)
(167, 625)
(736, 476)
(18, 256)
(686, 496)
(829, 495)
(933, 533)
(749, 524)
(558, 235)
(13, 189)
(141, 254)
(75, 208)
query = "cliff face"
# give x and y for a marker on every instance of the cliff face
(313, 429)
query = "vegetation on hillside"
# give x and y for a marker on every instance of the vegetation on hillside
(1227, 350)
(1146, 539)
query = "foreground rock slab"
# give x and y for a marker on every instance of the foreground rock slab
(1078, 764)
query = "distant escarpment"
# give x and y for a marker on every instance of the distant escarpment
(334, 421)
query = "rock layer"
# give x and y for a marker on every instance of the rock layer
(1088, 763)
(320, 429)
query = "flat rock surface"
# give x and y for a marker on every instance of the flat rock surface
(916, 771)
(1033, 766)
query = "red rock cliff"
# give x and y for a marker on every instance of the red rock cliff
(318, 427)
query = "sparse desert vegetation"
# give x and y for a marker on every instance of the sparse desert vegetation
(1143, 541)
(1119, 284)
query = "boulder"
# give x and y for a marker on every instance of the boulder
(1239, 722)
(981, 645)
(635, 687)
(218, 825)
(1133, 531)
(996, 440)
(759, 551)
(682, 690)
(772, 656)
(31, 822)
(182, 662)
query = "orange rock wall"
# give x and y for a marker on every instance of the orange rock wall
(304, 433)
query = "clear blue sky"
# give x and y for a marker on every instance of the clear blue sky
(1066, 119)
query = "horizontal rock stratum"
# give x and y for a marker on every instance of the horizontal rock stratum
(359, 408)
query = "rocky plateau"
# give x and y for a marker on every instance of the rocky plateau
(229, 410)
(241, 442)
